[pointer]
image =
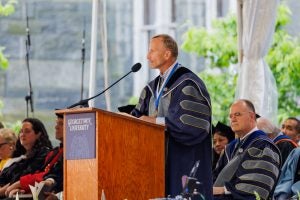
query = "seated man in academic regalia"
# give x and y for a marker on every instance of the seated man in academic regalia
(284, 143)
(250, 164)
(288, 184)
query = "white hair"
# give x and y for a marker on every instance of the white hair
(267, 126)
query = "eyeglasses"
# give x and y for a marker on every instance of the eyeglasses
(3, 144)
(237, 114)
(26, 131)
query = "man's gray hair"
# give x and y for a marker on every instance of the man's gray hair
(267, 126)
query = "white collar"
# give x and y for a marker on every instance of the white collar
(254, 129)
(168, 71)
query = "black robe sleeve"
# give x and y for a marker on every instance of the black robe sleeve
(257, 173)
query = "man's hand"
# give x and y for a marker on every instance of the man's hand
(14, 192)
(50, 196)
(218, 190)
(48, 182)
(148, 119)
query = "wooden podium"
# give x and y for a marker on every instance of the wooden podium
(121, 157)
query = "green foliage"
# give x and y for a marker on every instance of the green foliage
(16, 126)
(257, 197)
(133, 100)
(283, 59)
(1, 106)
(7, 8)
(220, 79)
(3, 59)
(283, 17)
(219, 47)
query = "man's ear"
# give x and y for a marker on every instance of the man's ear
(253, 115)
(168, 54)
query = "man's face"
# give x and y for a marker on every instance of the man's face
(158, 54)
(242, 119)
(289, 128)
(59, 129)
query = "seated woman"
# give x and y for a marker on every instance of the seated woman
(8, 141)
(52, 171)
(35, 145)
(222, 135)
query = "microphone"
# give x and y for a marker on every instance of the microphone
(194, 169)
(191, 182)
(27, 29)
(83, 44)
(136, 67)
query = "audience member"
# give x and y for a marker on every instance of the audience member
(8, 141)
(283, 142)
(52, 170)
(179, 99)
(35, 144)
(222, 135)
(251, 163)
(288, 184)
(291, 128)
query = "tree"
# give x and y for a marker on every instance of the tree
(219, 47)
(5, 10)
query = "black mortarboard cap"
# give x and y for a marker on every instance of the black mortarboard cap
(224, 130)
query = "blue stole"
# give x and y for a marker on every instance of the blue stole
(234, 146)
(163, 86)
(280, 137)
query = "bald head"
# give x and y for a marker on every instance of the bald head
(242, 117)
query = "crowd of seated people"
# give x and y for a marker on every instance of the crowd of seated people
(284, 143)
(262, 161)
(8, 141)
(31, 159)
(253, 157)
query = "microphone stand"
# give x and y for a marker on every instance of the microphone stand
(82, 60)
(29, 96)
(84, 102)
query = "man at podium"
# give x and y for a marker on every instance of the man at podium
(178, 98)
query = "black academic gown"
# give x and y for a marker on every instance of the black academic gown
(249, 166)
(185, 105)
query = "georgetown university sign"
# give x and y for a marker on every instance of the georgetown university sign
(80, 136)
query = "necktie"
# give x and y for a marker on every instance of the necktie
(160, 82)
(237, 146)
